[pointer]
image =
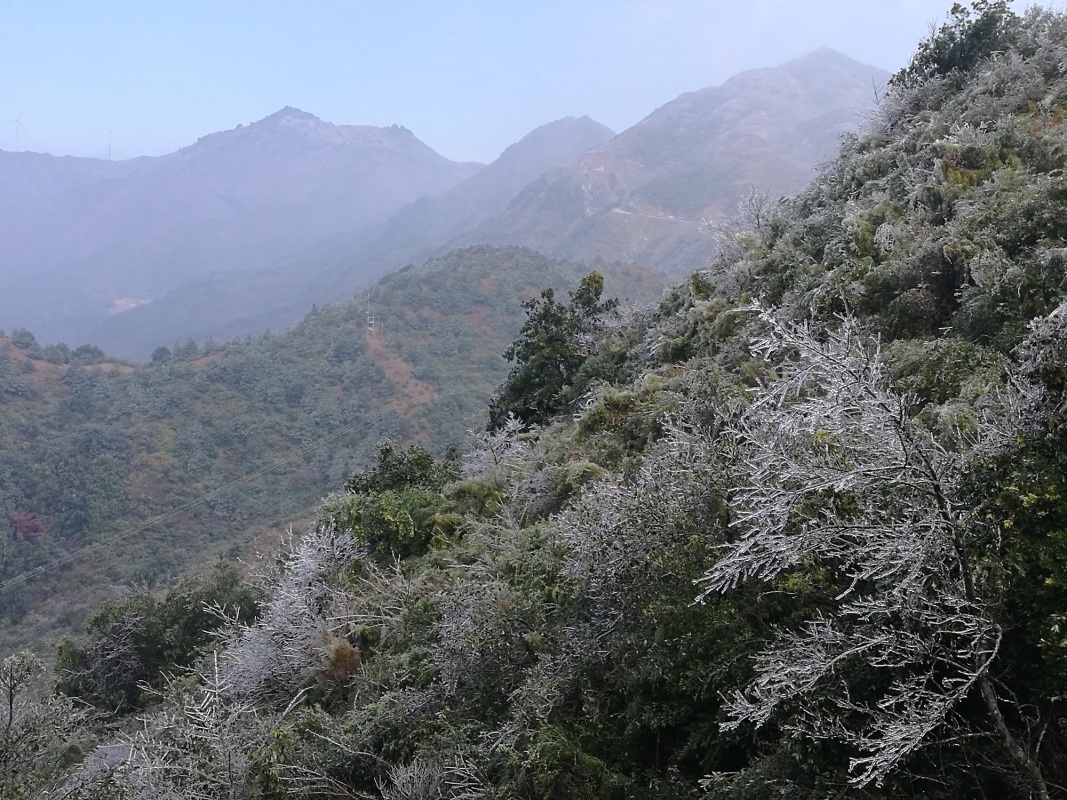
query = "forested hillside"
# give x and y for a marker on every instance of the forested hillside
(210, 446)
(797, 531)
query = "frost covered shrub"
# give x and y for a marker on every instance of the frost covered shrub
(37, 732)
(270, 660)
(833, 472)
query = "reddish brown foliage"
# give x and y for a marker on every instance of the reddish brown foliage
(25, 525)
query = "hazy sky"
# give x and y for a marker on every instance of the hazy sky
(468, 77)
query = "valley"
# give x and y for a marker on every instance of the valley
(216, 437)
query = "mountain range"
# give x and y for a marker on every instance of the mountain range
(86, 239)
(643, 195)
(796, 530)
(245, 229)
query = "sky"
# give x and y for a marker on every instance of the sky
(468, 77)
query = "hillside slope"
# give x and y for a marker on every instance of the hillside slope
(91, 447)
(571, 189)
(806, 547)
(643, 195)
(427, 224)
(806, 550)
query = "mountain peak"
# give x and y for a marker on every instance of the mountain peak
(292, 127)
(290, 113)
(562, 130)
(826, 56)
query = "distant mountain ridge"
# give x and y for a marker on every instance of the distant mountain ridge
(247, 228)
(94, 232)
(228, 304)
(643, 195)
(420, 228)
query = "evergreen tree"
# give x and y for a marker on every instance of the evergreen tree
(554, 343)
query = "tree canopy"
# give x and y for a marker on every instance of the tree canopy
(554, 342)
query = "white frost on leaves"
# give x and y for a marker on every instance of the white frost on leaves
(834, 473)
(271, 659)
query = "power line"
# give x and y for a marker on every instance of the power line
(366, 419)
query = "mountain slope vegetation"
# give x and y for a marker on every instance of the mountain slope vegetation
(210, 446)
(796, 531)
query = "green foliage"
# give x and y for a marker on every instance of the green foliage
(549, 352)
(396, 508)
(94, 448)
(555, 765)
(12, 383)
(390, 524)
(25, 341)
(402, 469)
(133, 643)
(971, 35)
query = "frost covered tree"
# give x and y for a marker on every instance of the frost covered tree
(35, 729)
(839, 482)
(199, 745)
(200, 748)
(267, 662)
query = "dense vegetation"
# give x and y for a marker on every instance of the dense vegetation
(553, 347)
(211, 446)
(797, 531)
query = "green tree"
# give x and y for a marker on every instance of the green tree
(26, 342)
(554, 342)
(132, 642)
(971, 35)
(396, 508)
(403, 469)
